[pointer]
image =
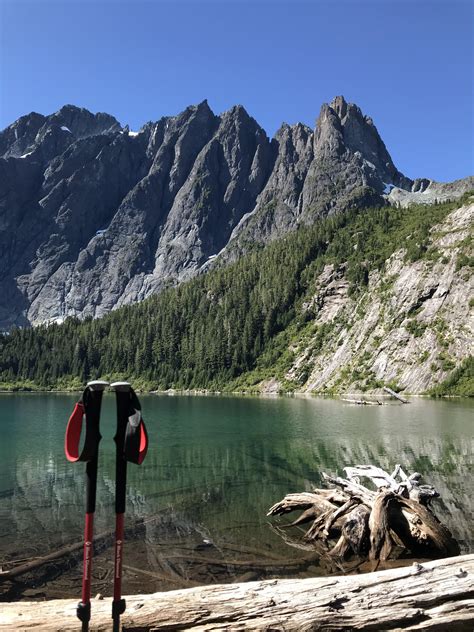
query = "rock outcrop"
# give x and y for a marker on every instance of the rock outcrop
(411, 327)
(94, 216)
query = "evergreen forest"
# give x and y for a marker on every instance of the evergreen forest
(213, 331)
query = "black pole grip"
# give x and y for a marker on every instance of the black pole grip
(92, 403)
(123, 411)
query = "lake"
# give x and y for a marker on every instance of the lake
(214, 466)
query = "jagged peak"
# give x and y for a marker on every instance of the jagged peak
(238, 116)
(302, 127)
(81, 122)
(69, 107)
(295, 129)
(74, 111)
(338, 114)
(197, 108)
(200, 111)
(339, 105)
(236, 112)
(204, 107)
(345, 109)
(28, 117)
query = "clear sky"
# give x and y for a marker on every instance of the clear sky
(406, 63)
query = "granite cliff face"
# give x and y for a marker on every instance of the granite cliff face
(94, 216)
(342, 163)
(411, 327)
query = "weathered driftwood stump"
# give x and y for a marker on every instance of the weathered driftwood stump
(352, 519)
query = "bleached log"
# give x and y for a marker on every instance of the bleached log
(352, 488)
(436, 595)
(408, 486)
(379, 477)
(361, 402)
(396, 395)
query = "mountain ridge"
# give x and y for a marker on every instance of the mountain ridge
(93, 216)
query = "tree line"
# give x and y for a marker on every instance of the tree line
(209, 331)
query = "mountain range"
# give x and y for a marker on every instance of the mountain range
(94, 216)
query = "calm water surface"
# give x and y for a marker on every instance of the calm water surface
(216, 464)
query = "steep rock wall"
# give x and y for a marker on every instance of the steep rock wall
(412, 325)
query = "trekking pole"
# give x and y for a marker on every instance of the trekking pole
(131, 445)
(86, 410)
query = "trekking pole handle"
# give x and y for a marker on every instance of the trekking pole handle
(97, 385)
(121, 386)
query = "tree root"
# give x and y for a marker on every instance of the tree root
(352, 519)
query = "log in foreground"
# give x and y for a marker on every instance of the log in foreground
(436, 595)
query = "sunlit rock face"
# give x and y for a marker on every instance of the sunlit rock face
(410, 326)
(94, 216)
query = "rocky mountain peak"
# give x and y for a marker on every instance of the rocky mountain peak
(82, 123)
(198, 116)
(52, 134)
(19, 135)
(93, 216)
(239, 117)
(344, 132)
(200, 109)
(339, 105)
(298, 130)
(345, 110)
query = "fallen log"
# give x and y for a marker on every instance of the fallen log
(361, 402)
(437, 596)
(101, 540)
(38, 562)
(396, 395)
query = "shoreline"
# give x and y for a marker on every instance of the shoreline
(371, 396)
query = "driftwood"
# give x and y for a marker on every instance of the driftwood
(356, 520)
(437, 595)
(38, 562)
(361, 402)
(100, 539)
(396, 395)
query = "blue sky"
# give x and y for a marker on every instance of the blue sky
(406, 63)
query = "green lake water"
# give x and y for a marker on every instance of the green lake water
(214, 466)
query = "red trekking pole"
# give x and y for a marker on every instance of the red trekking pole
(86, 411)
(131, 442)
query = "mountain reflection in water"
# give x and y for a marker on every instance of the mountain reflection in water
(214, 467)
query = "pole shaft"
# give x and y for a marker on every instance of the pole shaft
(88, 552)
(123, 411)
(119, 520)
